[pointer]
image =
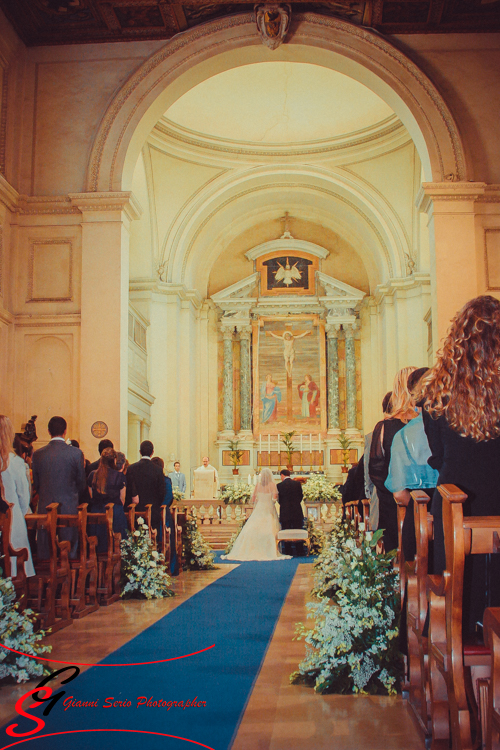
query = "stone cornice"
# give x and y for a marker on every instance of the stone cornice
(8, 195)
(47, 321)
(390, 287)
(6, 316)
(107, 203)
(154, 286)
(464, 192)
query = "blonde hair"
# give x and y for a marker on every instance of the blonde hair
(6, 441)
(402, 405)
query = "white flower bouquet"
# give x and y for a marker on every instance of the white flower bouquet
(238, 493)
(17, 632)
(319, 489)
(143, 569)
(197, 552)
(178, 495)
(353, 647)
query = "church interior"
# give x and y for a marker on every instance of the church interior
(212, 237)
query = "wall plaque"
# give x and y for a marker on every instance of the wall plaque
(99, 429)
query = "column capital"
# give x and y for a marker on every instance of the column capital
(462, 194)
(106, 205)
(245, 332)
(227, 332)
(332, 330)
(350, 328)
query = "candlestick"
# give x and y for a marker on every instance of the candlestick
(279, 453)
(269, 447)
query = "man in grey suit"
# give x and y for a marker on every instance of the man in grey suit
(177, 477)
(58, 477)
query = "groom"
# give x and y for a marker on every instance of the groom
(289, 499)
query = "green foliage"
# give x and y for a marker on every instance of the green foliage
(345, 445)
(17, 632)
(197, 552)
(237, 493)
(143, 569)
(353, 646)
(235, 455)
(287, 440)
(317, 538)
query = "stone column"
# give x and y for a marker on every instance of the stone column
(332, 333)
(245, 379)
(350, 368)
(227, 389)
(105, 225)
(134, 437)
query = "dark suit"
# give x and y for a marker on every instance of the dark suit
(58, 477)
(289, 499)
(149, 482)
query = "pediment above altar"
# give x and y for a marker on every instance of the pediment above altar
(339, 290)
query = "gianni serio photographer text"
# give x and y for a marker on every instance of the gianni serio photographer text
(141, 700)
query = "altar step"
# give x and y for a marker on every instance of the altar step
(217, 535)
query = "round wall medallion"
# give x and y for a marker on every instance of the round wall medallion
(99, 429)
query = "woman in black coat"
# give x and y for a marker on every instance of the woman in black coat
(462, 422)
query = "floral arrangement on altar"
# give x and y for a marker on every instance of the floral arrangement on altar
(238, 493)
(353, 646)
(143, 568)
(319, 489)
(197, 552)
(17, 632)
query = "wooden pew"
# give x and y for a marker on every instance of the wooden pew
(491, 626)
(352, 512)
(449, 656)
(84, 571)
(49, 589)
(366, 513)
(180, 522)
(416, 579)
(109, 562)
(133, 514)
(21, 556)
(165, 537)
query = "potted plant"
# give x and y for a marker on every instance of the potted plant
(235, 456)
(345, 445)
(287, 440)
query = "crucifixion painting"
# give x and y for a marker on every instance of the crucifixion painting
(288, 339)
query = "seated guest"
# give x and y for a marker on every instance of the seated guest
(169, 521)
(107, 485)
(102, 445)
(16, 491)
(354, 487)
(402, 410)
(461, 411)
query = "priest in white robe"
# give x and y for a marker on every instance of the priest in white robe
(207, 466)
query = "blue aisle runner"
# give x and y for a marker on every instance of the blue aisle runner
(237, 613)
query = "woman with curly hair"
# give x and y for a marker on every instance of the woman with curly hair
(461, 410)
(402, 409)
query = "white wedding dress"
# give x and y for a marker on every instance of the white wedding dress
(257, 539)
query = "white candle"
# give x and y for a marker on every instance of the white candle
(249, 479)
(310, 443)
(269, 442)
(319, 441)
(255, 480)
(301, 442)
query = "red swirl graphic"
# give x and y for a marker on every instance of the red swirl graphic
(77, 731)
(134, 664)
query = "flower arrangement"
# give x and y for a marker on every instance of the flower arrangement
(235, 536)
(197, 552)
(143, 568)
(17, 632)
(238, 493)
(235, 455)
(317, 538)
(353, 647)
(319, 489)
(178, 495)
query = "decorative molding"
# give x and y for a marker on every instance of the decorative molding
(306, 32)
(287, 246)
(3, 119)
(28, 205)
(390, 287)
(46, 321)
(108, 202)
(1, 261)
(8, 195)
(492, 258)
(31, 270)
(382, 130)
(155, 286)
(431, 193)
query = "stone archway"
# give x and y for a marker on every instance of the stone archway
(229, 42)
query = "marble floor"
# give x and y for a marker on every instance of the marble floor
(278, 716)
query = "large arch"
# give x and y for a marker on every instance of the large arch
(198, 54)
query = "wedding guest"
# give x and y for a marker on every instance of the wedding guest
(402, 410)
(16, 492)
(58, 477)
(122, 465)
(148, 482)
(461, 412)
(107, 485)
(169, 521)
(102, 445)
(370, 489)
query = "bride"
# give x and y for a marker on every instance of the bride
(257, 539)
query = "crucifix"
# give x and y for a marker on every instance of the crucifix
(288, 339)
(286, 229)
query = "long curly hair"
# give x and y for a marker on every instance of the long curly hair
(464, 384)
(6, 441)
(106, 462)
